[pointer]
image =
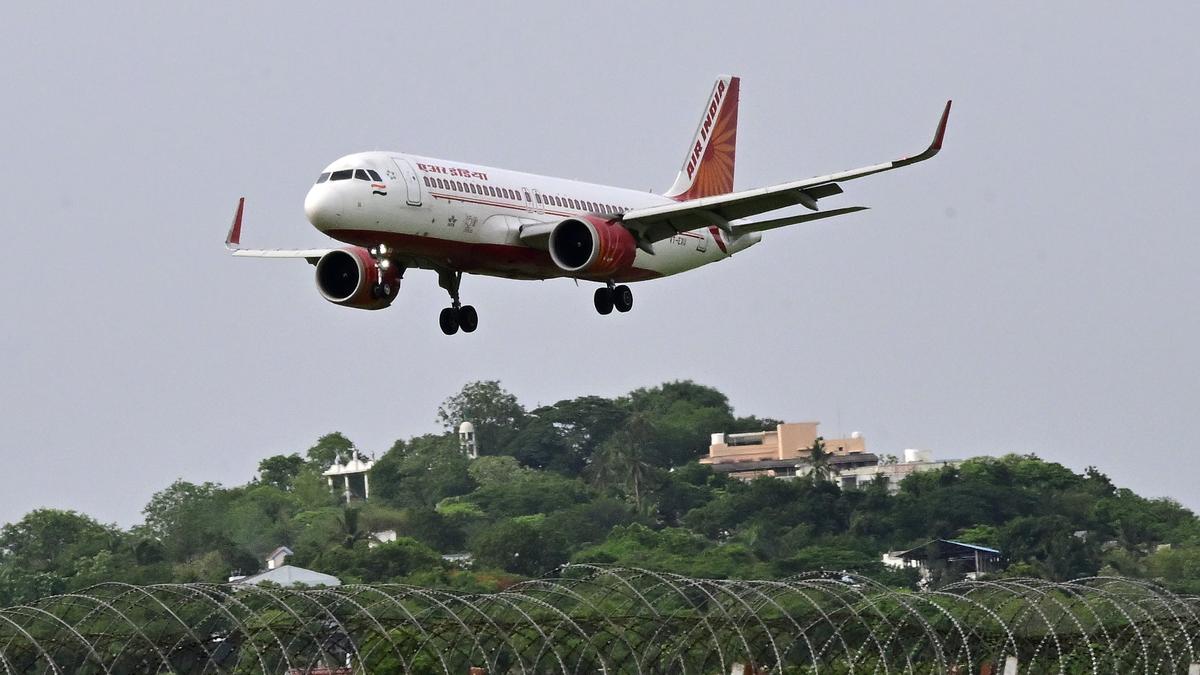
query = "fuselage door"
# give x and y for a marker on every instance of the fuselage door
(411, 182)
(534, 199)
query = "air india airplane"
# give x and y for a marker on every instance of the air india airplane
(399, 211)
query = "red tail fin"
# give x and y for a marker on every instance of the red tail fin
(708, 166)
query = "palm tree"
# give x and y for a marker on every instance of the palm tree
(623, 461)
(818, 461)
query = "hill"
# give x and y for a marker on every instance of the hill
(594, 479)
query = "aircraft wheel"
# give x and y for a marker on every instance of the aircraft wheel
(622, 298)
(603, 300)
(468, 319)
(449, 321)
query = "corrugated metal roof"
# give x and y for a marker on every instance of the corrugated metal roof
(974, 547)
(289, 575)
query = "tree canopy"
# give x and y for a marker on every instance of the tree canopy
(595, 479)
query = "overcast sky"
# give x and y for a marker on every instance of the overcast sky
(1032, 289)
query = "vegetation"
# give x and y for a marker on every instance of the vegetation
(593, 479)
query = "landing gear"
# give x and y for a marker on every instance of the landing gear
(457, 316)
(468, 319)
(622, 298)
(612, 297)
(382, 264)
(603, 300)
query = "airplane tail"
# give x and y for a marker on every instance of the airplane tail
(708, 166)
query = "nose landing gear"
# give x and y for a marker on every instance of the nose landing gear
(613, 297)
(457, 316)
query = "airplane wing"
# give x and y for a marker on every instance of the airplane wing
(234, 238)
(661, 222)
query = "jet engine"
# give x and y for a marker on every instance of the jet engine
(350, 277)
(591, 247)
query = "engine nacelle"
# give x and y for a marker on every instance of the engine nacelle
(591, 247)
(349, 277)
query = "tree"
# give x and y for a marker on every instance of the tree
(187, 518)
(331, 449)
(280, 470)
(421, 472)
(683, 415)
(818, 462)
(495, 413)
(517, 546)
(623, 461)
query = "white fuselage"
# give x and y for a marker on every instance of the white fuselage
(451, 215)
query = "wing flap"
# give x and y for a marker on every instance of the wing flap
(764, 225)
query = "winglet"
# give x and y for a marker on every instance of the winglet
(941, 129)
(234, 239)
(934, 147)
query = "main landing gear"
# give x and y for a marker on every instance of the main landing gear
(457, 316)
(612, 297)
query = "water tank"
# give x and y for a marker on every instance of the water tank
(855, 434)
(466, 428)
(914, 455)
(718, 439)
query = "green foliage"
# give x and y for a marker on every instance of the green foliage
(331, 449)
(495, 413)
(594, 479)
(674, 550)
(421, 472)
(280, 471)
(519, 547)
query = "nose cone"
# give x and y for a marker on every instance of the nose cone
(324, 207)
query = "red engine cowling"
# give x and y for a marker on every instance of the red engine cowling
(591, 247)
(349, 277)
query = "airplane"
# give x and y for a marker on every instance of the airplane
(399, 211)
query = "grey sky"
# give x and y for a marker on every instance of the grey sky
(1032, 289)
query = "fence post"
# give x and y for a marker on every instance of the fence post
(1010, 666)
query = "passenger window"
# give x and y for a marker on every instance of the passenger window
(344, 174)
(361, 175)
(375, 176)
(539, 197)
(323, 177)
(459, 186)
(427, 182)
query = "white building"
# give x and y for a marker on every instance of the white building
(915, 461)
(350, 479)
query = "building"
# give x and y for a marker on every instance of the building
(782, 452)
(467, 441)
(891, 473)
(785, 453)
(281, 574)
(350, 479)
(278, 557)
(956, 557)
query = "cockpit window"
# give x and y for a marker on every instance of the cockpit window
(323, 177)
(374, 176)
(361, 175)
(344, 174)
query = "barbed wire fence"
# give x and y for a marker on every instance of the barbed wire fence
(602, 619)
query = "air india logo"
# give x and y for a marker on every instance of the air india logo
(706, 128)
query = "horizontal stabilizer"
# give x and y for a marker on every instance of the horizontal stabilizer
(765, 225)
